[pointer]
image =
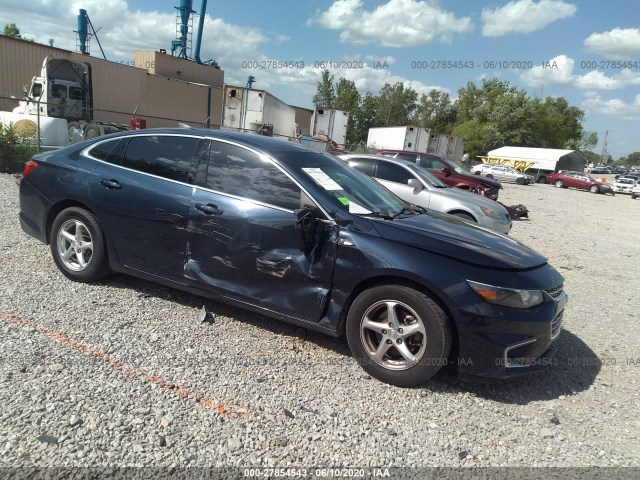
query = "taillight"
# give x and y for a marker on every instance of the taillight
(29, 167)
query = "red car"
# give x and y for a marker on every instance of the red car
(449, 172)
(580, 181)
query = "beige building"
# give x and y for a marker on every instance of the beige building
(165, 90)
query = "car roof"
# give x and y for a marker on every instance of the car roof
(259, 142)
(397, 161)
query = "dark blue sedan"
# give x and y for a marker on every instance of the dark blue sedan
(297, 235)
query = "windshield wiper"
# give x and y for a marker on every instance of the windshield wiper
(416, 210)
(386, 216)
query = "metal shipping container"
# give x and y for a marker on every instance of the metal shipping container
(399, 138)
(330, 122)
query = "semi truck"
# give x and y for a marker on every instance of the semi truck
(64, 90)
(330, 122)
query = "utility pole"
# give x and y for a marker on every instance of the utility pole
(604, 154)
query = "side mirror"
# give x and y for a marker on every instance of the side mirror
(415, 184)
(306, 225)
(447, 172)
(25, 90)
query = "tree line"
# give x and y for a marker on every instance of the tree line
(490, 115)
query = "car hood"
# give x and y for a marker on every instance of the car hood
(469, 198)
(452, 237)
(483, 179)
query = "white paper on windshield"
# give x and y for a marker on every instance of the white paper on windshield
(355, 208)
(322, 179)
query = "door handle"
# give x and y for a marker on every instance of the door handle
(111, 184)
(208, 209)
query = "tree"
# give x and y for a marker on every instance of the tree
(348, 99)
(11, 30)
(435, 111)
(325, 95)
(365, 117)
(473, 133)
(588, 141)
(396, 105)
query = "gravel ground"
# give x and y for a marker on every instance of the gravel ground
(123, 372)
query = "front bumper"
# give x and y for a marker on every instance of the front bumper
(628, 190)
(498, 343)
(500, 226)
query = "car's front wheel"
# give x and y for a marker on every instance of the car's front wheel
(78, 246)
(594, 189)
(399, 335)
(559, 184)
(520, 181)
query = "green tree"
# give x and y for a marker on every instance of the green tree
(396, 105)
(11, 30)
(588, 141)
(435, 111)
(365, 117)
(473, 133)
(348, 99)
(325, 95)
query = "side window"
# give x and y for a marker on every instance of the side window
(110, 151)
(407, 156)
(75, 93)
(168, 157)
(36, 90)
(238, 171)
(59, 91)
(365, 165)
(393, 173)
(437, 165)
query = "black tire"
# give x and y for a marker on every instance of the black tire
(84, 263)
(464, 216)
(489, 175)
(633, 196)
(520, 181)
(413, 309)
(559, 184)
(594, 189)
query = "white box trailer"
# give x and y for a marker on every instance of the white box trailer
(258, 110)
(330, 122)
(448, 146)
(399, 138)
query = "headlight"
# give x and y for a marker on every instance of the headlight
(507, 297)
(491, 213)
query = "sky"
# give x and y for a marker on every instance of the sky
(586, 51)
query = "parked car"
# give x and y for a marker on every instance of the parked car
(635, 192)
(502, 173)
(580, 181)
(417, 185)
(449, 172)
(600, 170)
(624, 185)
(298, 235)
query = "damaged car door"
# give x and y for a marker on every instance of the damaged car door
(255, 235)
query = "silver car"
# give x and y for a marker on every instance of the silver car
(502, 173)
(415, 184)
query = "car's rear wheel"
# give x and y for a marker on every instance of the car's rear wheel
(559, 184)
(78, 247)
(489, 175)
(520, 181)
(594, 189)
(399, 335)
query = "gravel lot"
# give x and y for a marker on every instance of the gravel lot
(123, 372)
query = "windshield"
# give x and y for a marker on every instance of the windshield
(456, 166)
(348, 188)
(427, 176)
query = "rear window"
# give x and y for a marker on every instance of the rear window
(110, 151)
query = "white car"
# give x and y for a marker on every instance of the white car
(416, 185)
(624, 185)
(502, 173)
(635, 192)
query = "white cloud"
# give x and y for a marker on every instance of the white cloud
(559, 71)
(123, 31)
(617, 44)
(396, 23)
(614, 107)
(524, 16)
